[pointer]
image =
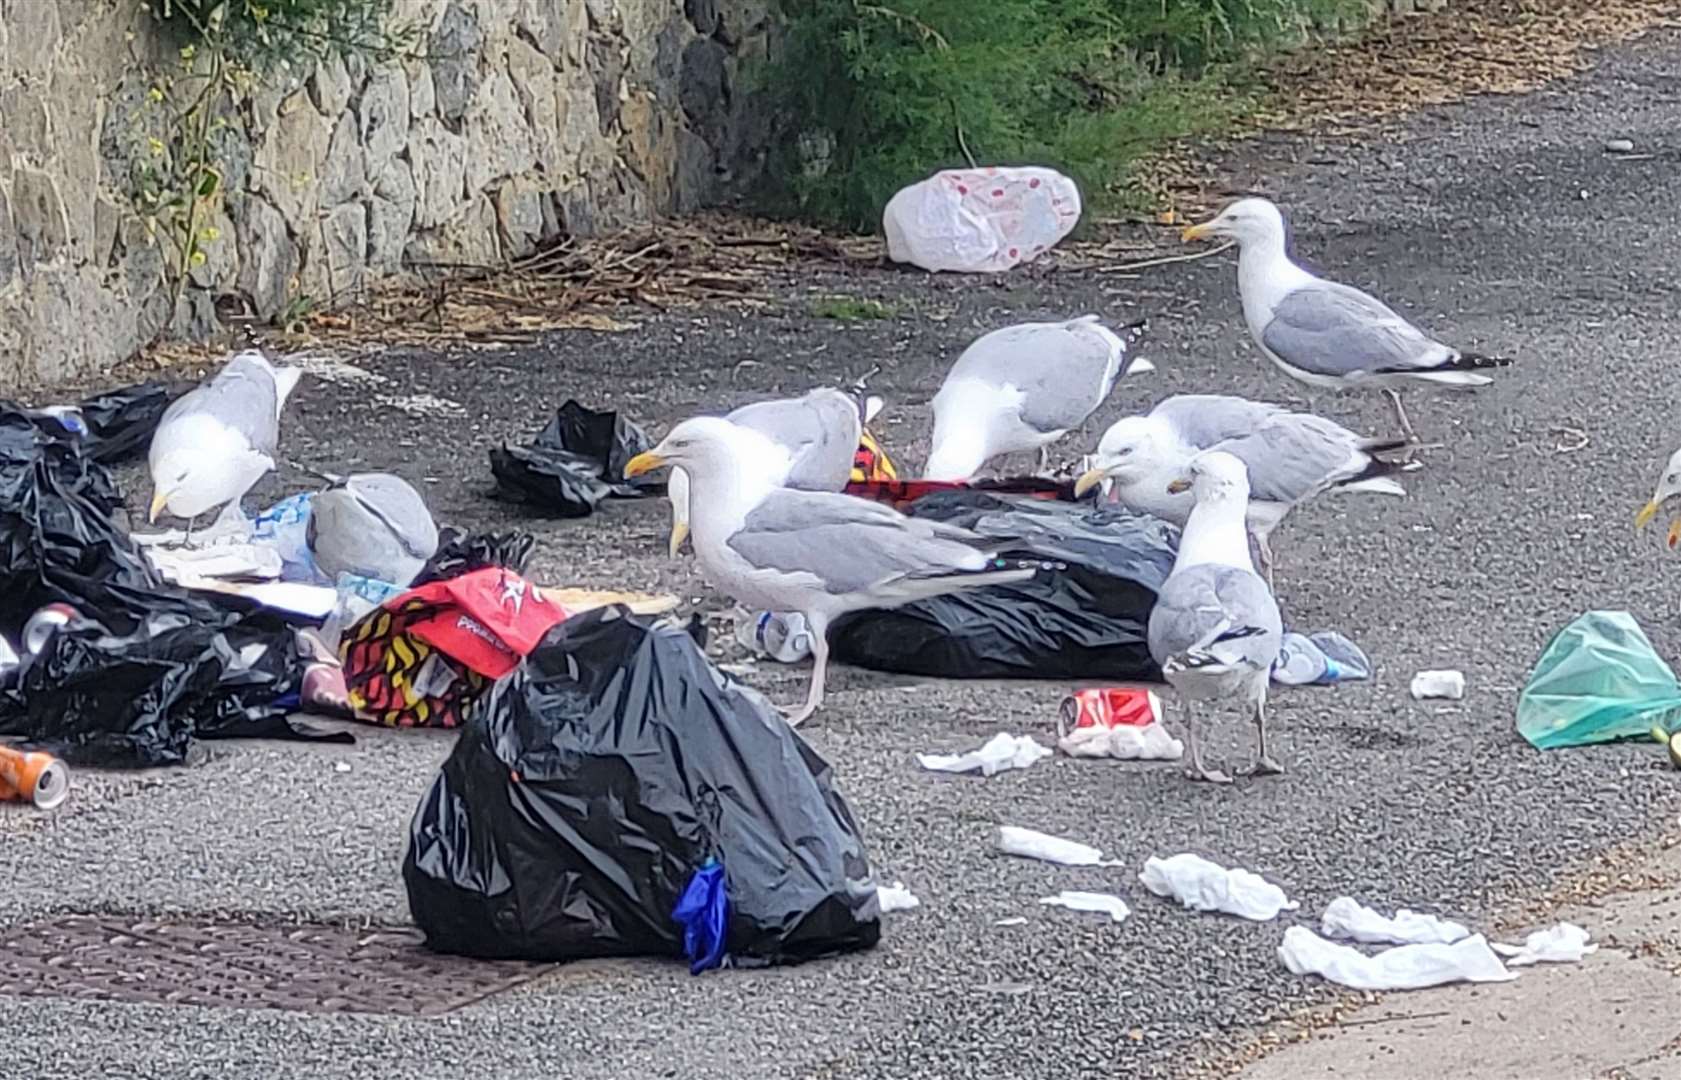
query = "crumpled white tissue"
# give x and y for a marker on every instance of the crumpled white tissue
(1126, 742)
(1002, 752)
(1037, 845)
(1347, 918)
(1104, 903)
(1405, 967)
(895, 897)
(1565, 943)
(1204, 886)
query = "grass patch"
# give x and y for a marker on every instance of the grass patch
(880, 94)
(852, 309)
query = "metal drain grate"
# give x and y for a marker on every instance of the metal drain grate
(245, 966)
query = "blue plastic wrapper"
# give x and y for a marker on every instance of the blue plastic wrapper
(285, 527)
(704, 913)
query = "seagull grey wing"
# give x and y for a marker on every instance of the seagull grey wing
(1219, 609)
(1202, 420)
(241, 397)
(1295, 457)
(1073, 371)
(1340, 332)
(821, 430)
(794, 533)
(398, 507)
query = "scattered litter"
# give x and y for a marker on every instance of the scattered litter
(895, 897)
(138, 667)
(1347, 918)
(193, 566)
(33, 776)
(1037, 845)
(424, 656)
(980, 220)
(1405, 967)
(784, 637)
(1115, 722)
(341, 766)
(1013, 920)
(1320, 659)
(574, 463)
(1001, 753)
(1083, 619)
(1205, 886)
(284, 527)
(1102, 903)
(582, 804)
(1438, 684)
(1619, 146)
(1565, 943)
(9, 662)
(1598, 680)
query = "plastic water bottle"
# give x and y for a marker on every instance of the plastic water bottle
(782, 637)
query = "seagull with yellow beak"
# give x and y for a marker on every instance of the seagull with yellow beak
(1669, 487)
(821, 554)
(1328, 335)
(215, 442)
(812, 440)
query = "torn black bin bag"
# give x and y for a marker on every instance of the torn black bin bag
(574, 463)
(1084, 619)
(149, 665)
(590, 786)
(461, 553)
(120, 422)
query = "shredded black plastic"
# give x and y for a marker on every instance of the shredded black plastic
(1084, 617)
(148, 666)
(576, 461)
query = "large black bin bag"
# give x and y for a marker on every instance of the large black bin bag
(1083, 618)
(592, 783)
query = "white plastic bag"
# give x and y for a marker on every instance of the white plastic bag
(1001, 753)
(1037, 845)
(1204, 886)
(895, 897)
(1125, 742)
(1347, 918)
(1565, 943)
(1101, 903)
(1405, 967)
(980, 220)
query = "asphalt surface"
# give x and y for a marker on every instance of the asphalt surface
(1499, 224)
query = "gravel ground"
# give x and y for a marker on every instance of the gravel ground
(1499, 224)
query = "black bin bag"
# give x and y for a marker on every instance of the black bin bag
(1083, 619)
(590, 785)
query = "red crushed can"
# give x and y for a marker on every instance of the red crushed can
(1108, 707)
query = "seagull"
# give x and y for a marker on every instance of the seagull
(1024, 387)
(374, 525)
(219, 439)
(1328, 335)
(1669, 487)
(815, 438)
(1291, 457)
(817, 553)
(1215, 629)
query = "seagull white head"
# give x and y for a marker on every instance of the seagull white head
(1669, 487)
(1128, 452)
(188, 480)
(1215, 477)
(1252, 221)
(722, 461)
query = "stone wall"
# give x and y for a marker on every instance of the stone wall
(526, 119)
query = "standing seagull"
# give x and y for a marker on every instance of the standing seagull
(1290, 457)
(1215, 628)
(815, 438)
(1324, 334)
(1022, 388)
(816, 553)
(219, 439)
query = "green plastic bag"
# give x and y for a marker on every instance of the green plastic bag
(1598, 680)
